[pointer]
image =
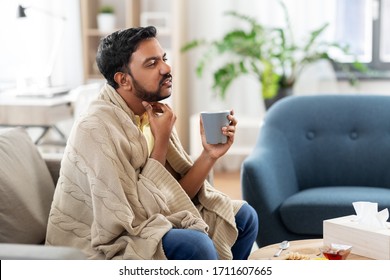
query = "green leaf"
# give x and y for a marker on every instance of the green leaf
(314, 35)
(269, 81)
(225, 75)
(360, 67)
(191, 45)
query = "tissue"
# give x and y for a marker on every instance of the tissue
(367, 214)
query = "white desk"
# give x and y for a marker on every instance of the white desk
(35, 112)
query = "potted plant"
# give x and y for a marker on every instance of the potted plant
(106, 19)
(270, 54)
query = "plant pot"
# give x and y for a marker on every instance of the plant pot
(282, 92)
(106, 22)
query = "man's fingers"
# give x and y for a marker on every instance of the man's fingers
(157, 107)
(153, 109)
(147, 106)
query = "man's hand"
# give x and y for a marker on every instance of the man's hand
(195, 177)
(215, 151)
(161, 119)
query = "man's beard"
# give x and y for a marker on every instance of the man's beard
(150, 96)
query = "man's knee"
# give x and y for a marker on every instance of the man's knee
(247, 219)
(185, 244)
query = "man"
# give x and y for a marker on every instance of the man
(127, 188)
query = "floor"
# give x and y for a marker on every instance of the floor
(229, 183)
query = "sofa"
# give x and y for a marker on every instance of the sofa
(315, 156)
(27, 183)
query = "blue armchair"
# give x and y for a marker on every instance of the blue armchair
(315, 155)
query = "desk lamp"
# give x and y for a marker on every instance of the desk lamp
(49, 71)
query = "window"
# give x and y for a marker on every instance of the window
(384, 33)
(364, 25)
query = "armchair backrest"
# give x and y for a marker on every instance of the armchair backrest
(332, 139)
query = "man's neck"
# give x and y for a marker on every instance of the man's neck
(134, 103)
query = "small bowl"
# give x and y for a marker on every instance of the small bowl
(336, 251)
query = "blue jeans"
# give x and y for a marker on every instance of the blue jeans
(186, 244)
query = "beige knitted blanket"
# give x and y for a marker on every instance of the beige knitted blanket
(114, 202)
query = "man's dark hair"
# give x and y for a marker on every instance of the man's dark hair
(115, 50)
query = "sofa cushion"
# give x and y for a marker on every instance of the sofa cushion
(26, 189)
(304, 212)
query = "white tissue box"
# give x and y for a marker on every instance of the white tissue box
(365, 241)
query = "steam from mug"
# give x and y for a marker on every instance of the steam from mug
(213, 123)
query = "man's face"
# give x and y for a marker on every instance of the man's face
(151, 75)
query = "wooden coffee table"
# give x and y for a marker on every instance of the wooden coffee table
(308, 247)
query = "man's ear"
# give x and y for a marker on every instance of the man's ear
(122, 79)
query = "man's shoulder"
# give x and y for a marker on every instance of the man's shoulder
(101, 109)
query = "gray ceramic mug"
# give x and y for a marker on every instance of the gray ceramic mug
(212, 124)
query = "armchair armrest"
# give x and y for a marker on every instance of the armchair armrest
(38, 252)
(267, 179)
(269, 168)
(53, 162)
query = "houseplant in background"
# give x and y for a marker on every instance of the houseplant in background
(270, 54)
(106, 19)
